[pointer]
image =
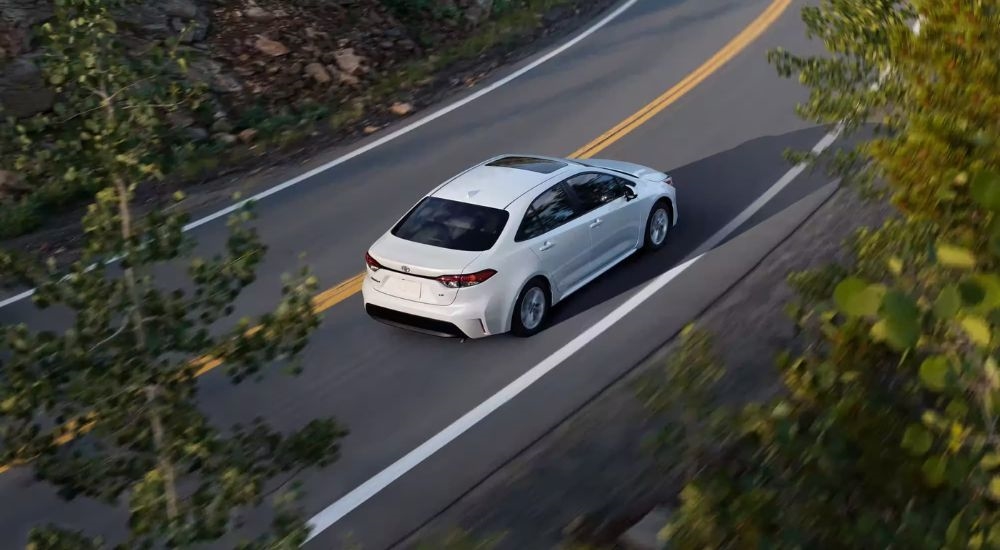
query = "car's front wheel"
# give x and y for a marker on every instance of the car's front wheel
(531, 310)
(657, 226)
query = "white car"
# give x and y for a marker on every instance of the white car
(494, 248)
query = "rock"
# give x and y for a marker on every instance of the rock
(348, 61)
(318, 73)
(22, 90)
(478, 11)
(11, 185)
(180, 8)
(270, 47)
(196, 32)
(196, 134)
(348, 79)
(222, 126)
(401, 109)
(258, 14)
(370, 129)
(408, 44)
(177, 24)
(313, 34)
(25, 13)
(387, 44)
(224, 138)
(210, 73)
(147, 19)
(278, 14)
(248, 135)
(645, 534)
(179, 120)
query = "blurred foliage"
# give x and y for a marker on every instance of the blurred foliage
(62, 154)
(107, 407)
(682, 394)
(886, 435)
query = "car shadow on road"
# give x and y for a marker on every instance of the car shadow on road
(710, 193)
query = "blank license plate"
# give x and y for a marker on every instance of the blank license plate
(405, 289)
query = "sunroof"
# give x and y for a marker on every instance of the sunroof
(542, 166)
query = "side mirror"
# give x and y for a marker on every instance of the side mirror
(629, 194)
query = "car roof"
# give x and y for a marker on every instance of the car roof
(499, 181)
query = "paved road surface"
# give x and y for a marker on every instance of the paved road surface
(722, 143)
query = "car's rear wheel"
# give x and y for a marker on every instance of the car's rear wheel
(658, 226)
(531, 310)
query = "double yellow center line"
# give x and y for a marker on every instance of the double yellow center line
(336, 294)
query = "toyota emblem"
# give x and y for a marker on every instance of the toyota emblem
(406, 269)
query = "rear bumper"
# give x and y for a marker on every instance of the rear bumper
(458, 320)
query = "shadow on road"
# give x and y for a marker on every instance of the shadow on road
(710, 193)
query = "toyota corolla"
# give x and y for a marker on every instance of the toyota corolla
(492, 249)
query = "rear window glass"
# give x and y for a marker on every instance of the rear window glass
(452, 224)
(542, 166)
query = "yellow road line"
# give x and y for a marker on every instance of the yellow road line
(336, 294)
(723, 56)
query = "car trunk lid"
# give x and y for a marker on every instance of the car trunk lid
(410, 269)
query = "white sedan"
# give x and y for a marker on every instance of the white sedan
(492, 249)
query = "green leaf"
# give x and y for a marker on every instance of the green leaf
(955, 256)
(952, 533)
(934, 469)
(994, 488)
(985, 189)
(902, 320)
(856, 297)
(990, 461)
(917, 440)
(934, 372)
(947, 303)
(978, 330)
(972, 293)
(896, 305)
(990, 283)
(895, 265)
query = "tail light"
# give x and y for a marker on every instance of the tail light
(372, 262)
(463, 281)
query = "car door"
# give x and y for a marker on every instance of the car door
(614, 224)
(554, 231)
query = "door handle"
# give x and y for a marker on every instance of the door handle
(545, 246)
(596, 222)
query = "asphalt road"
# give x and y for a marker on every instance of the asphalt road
(722, 143)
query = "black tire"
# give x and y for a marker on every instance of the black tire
(517, 326)
(649, 242)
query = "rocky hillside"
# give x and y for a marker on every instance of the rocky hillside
(281, 74)
(272, 52)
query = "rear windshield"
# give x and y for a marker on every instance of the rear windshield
(452, 224)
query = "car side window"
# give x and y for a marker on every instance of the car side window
(595, 190)
(550, 210)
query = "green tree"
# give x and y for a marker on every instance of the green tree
(68, 154)
(107, 406)
(886, 435)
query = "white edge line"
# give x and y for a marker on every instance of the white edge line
(362, 493)
(388, 137)
(768, 195)
(343, 506)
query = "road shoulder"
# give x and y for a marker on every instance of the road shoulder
(590, 475)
